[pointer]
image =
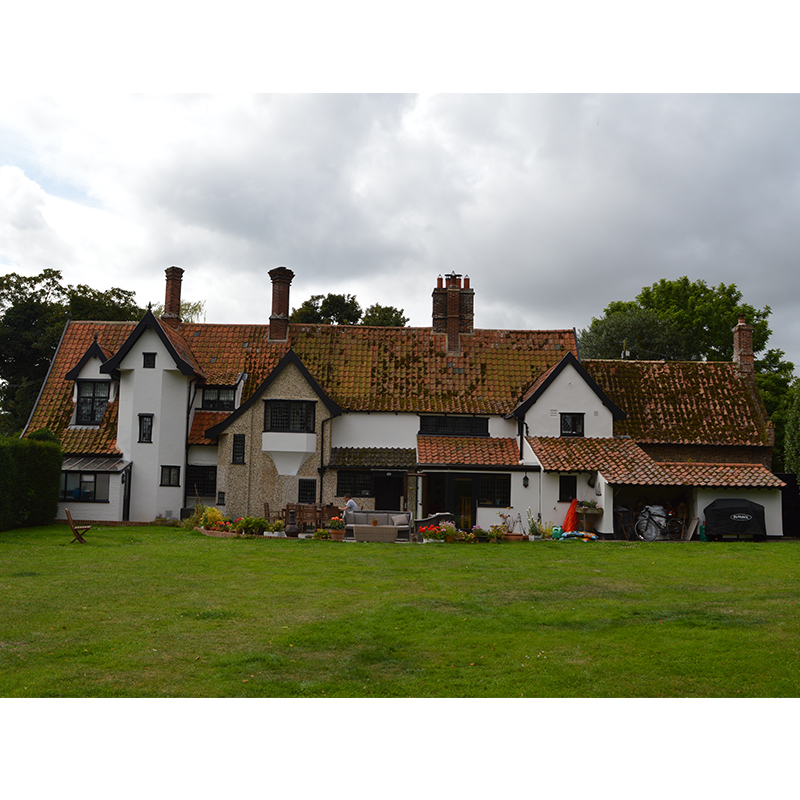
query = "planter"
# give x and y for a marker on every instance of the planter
(515, 537)
(432, 541)
(337, 536)
(449, 539)
(375, 522)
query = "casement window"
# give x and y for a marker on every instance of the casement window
(86, 487)
(201, 480)
(495, 490)
(307, 491)
(92, 402)
(238, 449)
(356, 483)
(149, 360)
(572, 424)
(289, 416)
(146, 428)
(567, 488)
(218, 398)
(446, 425)
(170, 476)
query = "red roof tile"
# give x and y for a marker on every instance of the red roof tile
(683, 402)
(622, 461)
(201, 422)
(477, 451)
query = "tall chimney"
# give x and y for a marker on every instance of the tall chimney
(453, 309)
(279, 319)
(172, 300)
(743, 355)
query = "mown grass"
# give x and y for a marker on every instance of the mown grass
(158, 612)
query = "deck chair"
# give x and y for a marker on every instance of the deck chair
(77, 530)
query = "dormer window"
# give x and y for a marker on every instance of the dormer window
(291, 416)
(572, 424)
(92, 402)
(219, 398)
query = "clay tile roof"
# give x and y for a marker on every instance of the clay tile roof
(683, 402)
(201, 422)
(618, 460)
(718, 475)
(373, 457)
(55, 407)
(622, 461)
(477, 451)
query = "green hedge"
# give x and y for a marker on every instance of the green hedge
(30, 476)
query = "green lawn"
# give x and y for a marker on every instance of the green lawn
(161, 612)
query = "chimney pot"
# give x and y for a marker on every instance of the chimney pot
(281, 278)
(172, 299)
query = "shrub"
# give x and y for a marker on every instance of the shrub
(30, 474)
(250, 526)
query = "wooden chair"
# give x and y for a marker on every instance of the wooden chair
(77, 530)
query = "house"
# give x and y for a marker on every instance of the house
(155, 415)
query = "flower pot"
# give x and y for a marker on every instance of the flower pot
(449, 539)
(515, 537)
(337, 536)
(375, 522)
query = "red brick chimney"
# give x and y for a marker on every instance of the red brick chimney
(453, 310)
(743, 355)
(172, 300)
(279, 319)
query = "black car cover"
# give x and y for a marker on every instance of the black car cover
(735, 518)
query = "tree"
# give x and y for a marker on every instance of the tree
(33, 313)
(691, 321)
(190, 311)
(792, 439)
(330, 309)
(384, 316)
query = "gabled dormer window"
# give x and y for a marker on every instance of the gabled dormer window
(92, 402)
(292, 416)
(572, 424)
(219, 398)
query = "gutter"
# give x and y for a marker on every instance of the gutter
(49, 370)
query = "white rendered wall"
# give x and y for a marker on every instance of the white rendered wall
(203, 455)
(102, 512)
(569, 394)
(769, 498)
(375, 430)
(555, 511)
(161, 392)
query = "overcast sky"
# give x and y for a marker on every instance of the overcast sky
(553, 204)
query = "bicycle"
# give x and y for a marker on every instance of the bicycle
(655, 522)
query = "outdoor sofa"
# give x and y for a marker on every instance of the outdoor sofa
(389, 526)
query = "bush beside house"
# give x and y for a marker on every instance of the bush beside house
(30, 474)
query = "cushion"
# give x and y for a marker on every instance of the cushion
(400, 520)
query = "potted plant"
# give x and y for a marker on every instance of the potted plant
(496, 533)
(465, 537)
(374, 520)
(431, 534)
(322, 533)
(336, 527)
(449, 530)
(480, 534)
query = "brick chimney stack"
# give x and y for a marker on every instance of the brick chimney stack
(453, 309)
(743, 355)
(279, 319)
(172, 300)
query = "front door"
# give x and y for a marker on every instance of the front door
(389, 491)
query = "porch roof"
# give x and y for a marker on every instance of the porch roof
(623, 462)
(467, 451)
(93, 464)
(373, 457)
